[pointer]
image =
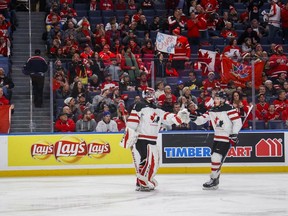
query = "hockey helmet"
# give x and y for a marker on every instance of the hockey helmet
(222, 95)
(149, 94)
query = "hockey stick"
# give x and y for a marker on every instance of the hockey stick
(223, 159)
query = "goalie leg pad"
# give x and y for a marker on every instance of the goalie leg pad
(148, 171)
(129, 138)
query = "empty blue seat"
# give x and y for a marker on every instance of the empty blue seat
(80, 6)
(149, 12)
(196, 92)
(208, 47)
(82, 13)
(120, 14)
(96, 13)
(108, 13)
(259, 124)
(171, 80)
(264, 40)
(275, 124)
(240, 6)
(218, 41)
(95, 20)
(131, 94)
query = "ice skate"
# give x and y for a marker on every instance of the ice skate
(144, 187)
(212, 184)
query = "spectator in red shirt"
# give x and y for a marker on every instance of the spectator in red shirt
(262, 106)
(106, 55)
(228, 32)
(193, 30)
(64, 124)
(171, 71)
(272, 114)
(281, 102)
(120, 5)
(232, 51)
(106, 5)
(284, 21)
(93, 5)
(211, 83)
(167, 93)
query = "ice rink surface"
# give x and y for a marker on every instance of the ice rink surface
(177, 195)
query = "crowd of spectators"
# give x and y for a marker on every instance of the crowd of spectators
(8, 23)
(104, 54)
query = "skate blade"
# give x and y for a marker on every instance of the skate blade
(210, 188)
(144, 189)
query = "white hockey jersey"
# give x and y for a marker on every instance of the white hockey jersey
(146, 119)
(225, 121)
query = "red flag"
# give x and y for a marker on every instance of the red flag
(240, 73)
(5, 113)
(207, 60)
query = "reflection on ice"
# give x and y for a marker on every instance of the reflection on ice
(241, 194)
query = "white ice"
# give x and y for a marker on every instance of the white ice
(177, 195)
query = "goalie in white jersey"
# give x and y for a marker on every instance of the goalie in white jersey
(141, 133)
(226, 123)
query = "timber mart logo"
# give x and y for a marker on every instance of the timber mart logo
(70, 149)
(269, 148)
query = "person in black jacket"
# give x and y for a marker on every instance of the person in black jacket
(36, 66)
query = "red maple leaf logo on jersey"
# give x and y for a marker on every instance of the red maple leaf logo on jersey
(154, 118)
(204, 59)
(216, 120)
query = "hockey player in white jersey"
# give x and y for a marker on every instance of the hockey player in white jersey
(226, 123)
(141, 133)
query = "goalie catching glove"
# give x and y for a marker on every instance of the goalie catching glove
(129, 138)
(184, 116)
(233, 139)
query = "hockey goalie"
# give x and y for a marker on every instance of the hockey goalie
(140, 136)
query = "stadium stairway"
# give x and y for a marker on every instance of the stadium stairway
(20, 121)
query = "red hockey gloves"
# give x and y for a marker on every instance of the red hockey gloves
(233, 139)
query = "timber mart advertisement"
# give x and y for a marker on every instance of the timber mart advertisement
(196, 148)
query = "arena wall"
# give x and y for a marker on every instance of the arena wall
(100, 154)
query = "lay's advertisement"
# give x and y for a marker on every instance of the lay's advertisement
(66, 149)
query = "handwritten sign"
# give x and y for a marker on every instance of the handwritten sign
(166, 43)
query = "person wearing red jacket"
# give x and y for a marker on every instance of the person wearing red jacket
(262, 106)
(193, 27)
(210, 6)
(281, 102)
(228, 32)
(182, 51)
(272, 114)
(106, 5)
(277, 63)
(210, 83)
(284, 20)
(66, 10)
(170, 71)
(64, 124)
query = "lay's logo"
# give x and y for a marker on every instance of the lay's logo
(269, 148)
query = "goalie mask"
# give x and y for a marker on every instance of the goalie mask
(149, 94)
